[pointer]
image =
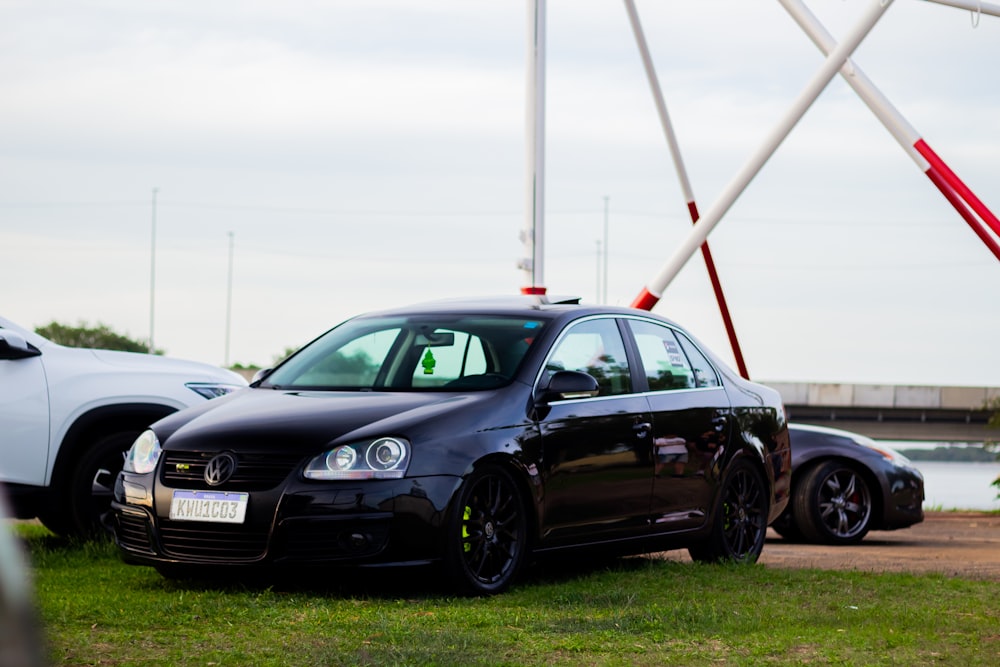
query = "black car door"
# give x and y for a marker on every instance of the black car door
(690, 419)
(595, 451)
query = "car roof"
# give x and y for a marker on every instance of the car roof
(526, 305)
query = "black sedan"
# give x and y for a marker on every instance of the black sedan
(844, 485)
(471, 434)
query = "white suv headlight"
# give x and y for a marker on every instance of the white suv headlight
(143, 454)
(382, 458)
(212, 389)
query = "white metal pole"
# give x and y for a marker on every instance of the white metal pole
(974, 6)
(880, 105)
(904, 133)
(661, 106)
(533, 234)
(707, 223)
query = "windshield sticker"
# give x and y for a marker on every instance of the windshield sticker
(673, 353)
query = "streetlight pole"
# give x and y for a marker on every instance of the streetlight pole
(597, 271)
(152, 277)
(604, 293)
(229, 297)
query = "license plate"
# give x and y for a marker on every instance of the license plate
(209, 506)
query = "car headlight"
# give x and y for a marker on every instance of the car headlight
(888, 453)
(212, 389)
(382, 458)
(143, 454)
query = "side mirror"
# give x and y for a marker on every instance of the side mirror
(565, 385)
(14, 346)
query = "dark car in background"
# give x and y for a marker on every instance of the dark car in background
(471, 434)
(845, 484)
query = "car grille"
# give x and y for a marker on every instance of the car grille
(254, 472)
(132, 531)
(218, 542)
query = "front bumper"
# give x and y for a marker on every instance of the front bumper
(903, 499)
(351, 523)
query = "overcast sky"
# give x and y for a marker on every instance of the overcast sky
(371, 153)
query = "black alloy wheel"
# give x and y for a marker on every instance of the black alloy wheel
(740, 523)
(487, 534)
(833, 504)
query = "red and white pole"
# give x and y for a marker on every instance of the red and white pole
(682, 175)
(834, 61)
(950, 185)
(533, 233)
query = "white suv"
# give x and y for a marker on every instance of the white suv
(68, 415)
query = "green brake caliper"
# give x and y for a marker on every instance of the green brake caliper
(465, 529)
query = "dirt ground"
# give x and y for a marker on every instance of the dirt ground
(955, 544)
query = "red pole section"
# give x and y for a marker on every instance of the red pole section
(672, 144)
(727, 321)
(645, 300)
(963, 210)
(958, 186)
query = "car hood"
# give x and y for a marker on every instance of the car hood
(306, 421)
(146, 363)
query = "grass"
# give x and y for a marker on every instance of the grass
(98, 611)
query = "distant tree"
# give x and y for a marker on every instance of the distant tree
(994, 405)
(244, 367)
(994, 422)
(954, 453)
(289, 351)
(99, 336)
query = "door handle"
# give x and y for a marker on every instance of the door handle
(642, 429)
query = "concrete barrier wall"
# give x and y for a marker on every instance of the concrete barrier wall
(884, 396)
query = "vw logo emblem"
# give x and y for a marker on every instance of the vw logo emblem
(220, 469)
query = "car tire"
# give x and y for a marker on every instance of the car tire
(740, 521)
(487, 533)
(83, 493)
(833, 504)
(785, 526)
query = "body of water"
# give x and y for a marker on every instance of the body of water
(959, 486)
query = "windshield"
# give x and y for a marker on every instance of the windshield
(417, 353)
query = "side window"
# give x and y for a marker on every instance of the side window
(664, 362)
(454, 354)
(594, 347)
(704, 372)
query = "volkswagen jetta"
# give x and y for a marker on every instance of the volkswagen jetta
(474, 434)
